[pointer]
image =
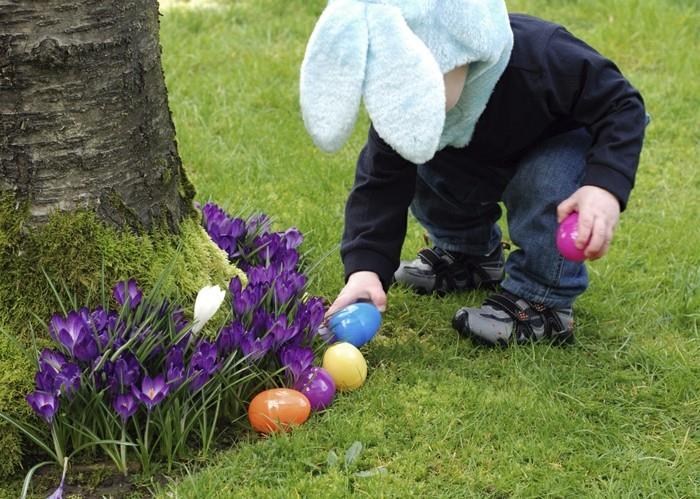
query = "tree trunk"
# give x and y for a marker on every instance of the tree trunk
(84, 117)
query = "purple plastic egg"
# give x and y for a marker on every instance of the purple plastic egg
(566, 238)
(318, 386)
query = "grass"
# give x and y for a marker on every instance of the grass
(617, 415)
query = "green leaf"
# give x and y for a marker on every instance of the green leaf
(29, 475)
(332, 459)
(27, 428)
(379, 470)
(353, 453)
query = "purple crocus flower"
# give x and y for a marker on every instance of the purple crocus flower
(230, 232)
(261, 274)
(125, 405)
(67, 380)
(287, 259)
(270, 245)
(310, 315)
(256, 348)
(296, 360)
(50, 364)
(293, 238)
(235, 286)
(102, 323)
(247, 300)
(261, 323)
(44, 379)
(283, 292)
(296, 281)
(229, 338)
(74, 334)
(179, 320)
(202, 365)
(152, 391)
(52, 358)
(281, 332)
(125, 372)
(45, 404)
(104, 376)
(258, 223)
(315, 310)
(85, 348)
(223, 230)
(127, 291)
(175, 367)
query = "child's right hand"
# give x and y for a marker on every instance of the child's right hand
(362, 285)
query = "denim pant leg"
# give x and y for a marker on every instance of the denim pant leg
(457, 203)
(545, 176)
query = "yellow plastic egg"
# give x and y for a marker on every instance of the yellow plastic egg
(346, 366)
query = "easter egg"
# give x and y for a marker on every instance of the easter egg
(318, 386)
(356, 324)
(566, 238)
(278, 409)
(346, 365)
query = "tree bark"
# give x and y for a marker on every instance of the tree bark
(84, 117)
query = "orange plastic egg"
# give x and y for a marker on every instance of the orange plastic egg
(278, 409)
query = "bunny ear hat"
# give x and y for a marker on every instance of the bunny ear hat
(392, 55)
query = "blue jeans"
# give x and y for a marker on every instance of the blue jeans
(457, 204)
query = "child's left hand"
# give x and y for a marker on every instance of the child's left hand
(598, 214)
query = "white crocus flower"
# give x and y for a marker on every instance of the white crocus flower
(208, 301)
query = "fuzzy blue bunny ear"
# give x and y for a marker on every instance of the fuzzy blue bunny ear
(393, 53)
(333, 72)
(367, 50)
(404, 90)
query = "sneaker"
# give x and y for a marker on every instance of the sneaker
(505, 318)
(441, 271)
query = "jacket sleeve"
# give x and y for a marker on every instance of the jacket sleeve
(376, 210)
(592, 91)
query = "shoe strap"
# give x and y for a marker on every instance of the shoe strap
(442, 261)
(440, 266)
(434, 259)
(517, 308)
(522, 314)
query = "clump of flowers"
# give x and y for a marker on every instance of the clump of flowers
(136, 378)
(274, 322)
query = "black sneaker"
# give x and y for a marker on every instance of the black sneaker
(441, 271)
(505, 318)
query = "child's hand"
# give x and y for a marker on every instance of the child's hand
(598, 214)
(363, 285)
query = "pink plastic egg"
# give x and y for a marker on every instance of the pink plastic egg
(566, 238)
(318, 386)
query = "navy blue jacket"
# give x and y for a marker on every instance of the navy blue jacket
(553, 83)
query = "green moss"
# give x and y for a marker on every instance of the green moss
(15, 383)
(75, 250)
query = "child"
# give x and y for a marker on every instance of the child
(469, 107)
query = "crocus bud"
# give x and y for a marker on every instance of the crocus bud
(208, 301)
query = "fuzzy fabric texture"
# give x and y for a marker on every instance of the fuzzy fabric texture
(392, 54)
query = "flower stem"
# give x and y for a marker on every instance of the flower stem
(145, 458)
(123, 450)
(57, 445)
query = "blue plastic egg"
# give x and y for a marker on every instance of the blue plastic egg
(356, 323)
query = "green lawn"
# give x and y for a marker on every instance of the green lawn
(617, 415)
